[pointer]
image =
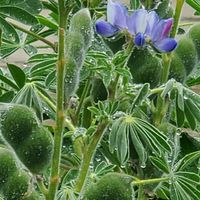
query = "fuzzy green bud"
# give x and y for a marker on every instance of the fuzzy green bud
(112, 186)
(177, 69)
(81, 23)
(145, 67)
(187, 53)
(75, 48)
(194, 34)
(17, 124)
(35, 152)
(7, 165)
(17, 186)
(71, 77)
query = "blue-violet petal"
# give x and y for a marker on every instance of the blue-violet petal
(166, 45)
(139, 39)
(105, 29)
(117, 14)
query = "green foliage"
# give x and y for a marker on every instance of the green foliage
(120, 117)
(98, 91)
(140, 132)
(112, 186)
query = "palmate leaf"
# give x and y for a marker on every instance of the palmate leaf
(18, 14)
(7, 49)
(43, 67)
(160, 163)
(186, 161)
(8, 81)
(28, 96)
(187, 106)
(184, 186)
(32, 6)
(142, 94)
(42, 57)
(141, 133)
(8, 31)
(194, 4)
(17, 74)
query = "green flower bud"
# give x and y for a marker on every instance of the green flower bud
(145, 67)
(194, 34)
(81, 23)
(187, 53)
(7, 165)
(17, 124)
(75, 48)
(71, 78)
(17, 186)
(36, 151)
(177, 69)
(112, 186)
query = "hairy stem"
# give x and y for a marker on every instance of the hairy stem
(177, 15)
(55, 166)
(166, 61)
(41, 186)
(34, 35)
(89, 154)
(167, 57)
(149, 181)
(51, 104)
(84, 94)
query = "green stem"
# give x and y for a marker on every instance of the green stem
(150, 181)
(55, 166)
(156, 91)
(167, 57)
(51, 104)
(177, 15)
(41, 186)
(89, 154)
(34, 35)
(85, 92)
(166, 60)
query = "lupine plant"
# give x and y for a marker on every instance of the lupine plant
(106, 107)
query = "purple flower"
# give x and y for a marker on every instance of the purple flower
(116, 20)
(148, 27)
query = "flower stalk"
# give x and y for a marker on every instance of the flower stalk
(166, 61)
(55, 166)
(49, 43)
(150, 181)
(89, 154)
